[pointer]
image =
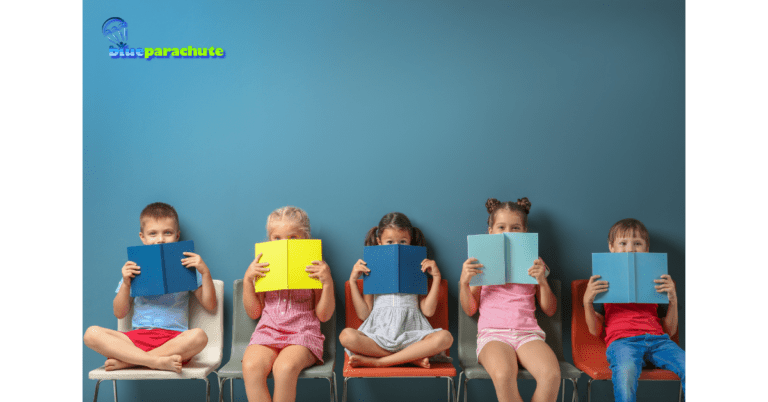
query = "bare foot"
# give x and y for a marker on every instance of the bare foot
(363, 361)
(169, 363)
(423, 362)
(114, 364)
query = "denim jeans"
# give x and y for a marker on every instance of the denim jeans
(627, 356)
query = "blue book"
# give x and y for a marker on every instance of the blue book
(506, 257)
(630, 277)
(395, 268)
(161, 269)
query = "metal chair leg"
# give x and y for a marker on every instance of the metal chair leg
(96, 394)
(114, 387)
(458, 384)
(330, 385)
(589, 390)
(575, 397)
(466, 383)
(207, 390)
(562, 398)
(231, 390)
(221, 388)
(344, 392)
(335, 390)
(680, 396)
(451, 387)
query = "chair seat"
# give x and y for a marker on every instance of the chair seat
(602, 372)
(197, 369)
(444, 369)
(234, 369)
(477, 372)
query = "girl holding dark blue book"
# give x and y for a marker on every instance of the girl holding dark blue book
(507, 329)
(394, 330)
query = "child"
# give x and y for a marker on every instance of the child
(161, 338)
(507, 329)
(634, 333)
(394, 330)
(287, 338)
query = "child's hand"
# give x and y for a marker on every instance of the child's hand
(430, 267)
(359, 269)
(468, 270)
(130, 270)
(320, 271)
(538, 270)
(593, 288)
(194, 260)
(666, 284)
(256, 270)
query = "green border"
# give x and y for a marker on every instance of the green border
(41, 173)
(725, 154)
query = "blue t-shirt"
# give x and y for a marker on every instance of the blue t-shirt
(170, 311)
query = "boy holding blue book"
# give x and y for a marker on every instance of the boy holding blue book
(634, 333)
(161, 338)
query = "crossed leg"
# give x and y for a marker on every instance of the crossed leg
(370, 354)
(122, 353)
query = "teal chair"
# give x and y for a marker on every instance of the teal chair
(242, 329)
(552, 326)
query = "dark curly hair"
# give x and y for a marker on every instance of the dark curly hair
(522, 207)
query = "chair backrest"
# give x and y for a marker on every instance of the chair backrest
(438, 320)
(552, 326)
(584, 345)
(243, 327)
(212, 322)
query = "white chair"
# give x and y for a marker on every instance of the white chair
(199, 366)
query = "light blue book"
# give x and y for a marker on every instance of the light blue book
(630, 277)
(506, 257)
(395, 268)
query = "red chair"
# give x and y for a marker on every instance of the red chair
(589, 350)
(437, 370)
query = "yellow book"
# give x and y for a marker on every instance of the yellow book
(288, 260)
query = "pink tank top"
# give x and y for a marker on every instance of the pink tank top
(510, 306)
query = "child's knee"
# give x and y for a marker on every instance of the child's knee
(504, 372)
(199, 337)
(446, 339)
(256, 366)
(91, 335)
(286, 368)
(347, 336)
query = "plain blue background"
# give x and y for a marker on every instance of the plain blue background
(351, 110)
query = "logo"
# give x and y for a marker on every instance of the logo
(115, 30)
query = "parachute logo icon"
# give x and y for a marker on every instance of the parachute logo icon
(115, 29)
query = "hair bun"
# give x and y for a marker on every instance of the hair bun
(525, 204)
(492, 204)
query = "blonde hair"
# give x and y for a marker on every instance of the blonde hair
(297, 215)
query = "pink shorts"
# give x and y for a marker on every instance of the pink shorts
(511, 337)
(148, 339)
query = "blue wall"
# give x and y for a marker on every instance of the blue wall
(351, 110)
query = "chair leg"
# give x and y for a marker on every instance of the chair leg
(458, 384)
(114, 388)
(562, 398)
(344, 392)
(221, 388)
(231, 390)
(451, 387)
(207, 390)
(575, 396)
(330, 385)
(335, 390)
(466, 383)
(96, 393)
(589, 390)
(680, 396)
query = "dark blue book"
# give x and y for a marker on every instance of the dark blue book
(395, 268)
(630, 277)
(161, 269)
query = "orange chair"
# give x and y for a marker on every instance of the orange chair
(589, 350)
(437, 370)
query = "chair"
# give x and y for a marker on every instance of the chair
(552, 326)
(589, 350)
(242, 329)
(198, 367)
(437, 369)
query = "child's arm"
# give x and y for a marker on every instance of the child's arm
(252, 302)
(325, 302)
(594, 319)
(544, 295)
(122, 303)
(428, 304)
(206, 293)
(363, 304)
(469, 295)
(666, 284)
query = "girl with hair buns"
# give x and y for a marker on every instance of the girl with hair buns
(287, 338)
(394, 330)
(507, 329)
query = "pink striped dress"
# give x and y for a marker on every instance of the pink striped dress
(288, 318)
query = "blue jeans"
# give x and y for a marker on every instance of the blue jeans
(627, 356)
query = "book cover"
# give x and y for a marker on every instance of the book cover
(395, 268)
(630, 277)
(288, 260)
(161, 269)
(506, 257)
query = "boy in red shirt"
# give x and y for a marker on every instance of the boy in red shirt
(634, 333)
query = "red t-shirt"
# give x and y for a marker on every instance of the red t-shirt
(623, 320)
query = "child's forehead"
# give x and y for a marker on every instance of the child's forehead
(285, 226)
(628, 234)
(395, 231)
(163, 222)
